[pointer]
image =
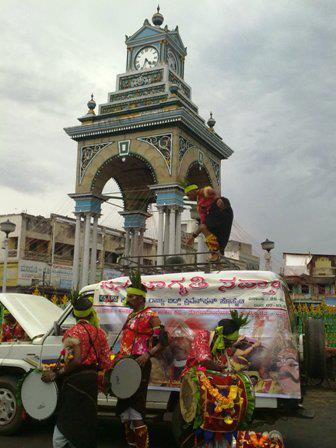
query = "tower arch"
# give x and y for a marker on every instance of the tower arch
(133, 174)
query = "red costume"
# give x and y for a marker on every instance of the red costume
(205, 198)
(93, 344)
(12, 332)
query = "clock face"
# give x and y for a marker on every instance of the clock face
(172, 62)
(146, 58)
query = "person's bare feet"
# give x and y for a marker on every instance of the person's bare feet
(214, 257)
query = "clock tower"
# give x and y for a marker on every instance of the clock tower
(148, 137)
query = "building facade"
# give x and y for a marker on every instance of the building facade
(310, 277)
(41, 251)
(148, 137)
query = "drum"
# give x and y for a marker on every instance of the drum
(125, 378)
(38, 398)
(188, 398)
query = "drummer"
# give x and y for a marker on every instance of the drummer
(85, 352)
(142, 337)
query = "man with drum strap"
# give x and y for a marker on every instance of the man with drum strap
(85, 352)
(142, 337)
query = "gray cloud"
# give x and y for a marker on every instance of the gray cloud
(266, 71)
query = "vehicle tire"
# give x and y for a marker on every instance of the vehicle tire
(11, 412)
(314, 348)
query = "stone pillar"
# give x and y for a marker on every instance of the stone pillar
(93, 267)
(160, 235)
(127, 243)
(75, 266)
(201, 247)
(178, 231)
(166, 232)
(86, 251)
(141, 244)
(172, 230)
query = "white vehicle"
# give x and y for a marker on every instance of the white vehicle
(186, 303)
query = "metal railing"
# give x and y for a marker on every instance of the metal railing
(187, 262)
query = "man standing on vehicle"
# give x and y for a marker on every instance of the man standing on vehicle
(216, 217)
(85, 352)
(142, 337)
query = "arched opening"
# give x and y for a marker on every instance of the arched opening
(198, 174)
(133, 174)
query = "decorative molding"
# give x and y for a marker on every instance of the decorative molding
(110, 108)
(164, 144)
(86, 155)
(184, 145)
(141, 79)
(124, 147)
(149, 119)
(216, 167)
(175, 80)
(201, 158)
(136, 93)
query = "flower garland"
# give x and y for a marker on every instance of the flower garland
(222, 402)
(259, 442)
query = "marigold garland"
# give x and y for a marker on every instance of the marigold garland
(221, 401)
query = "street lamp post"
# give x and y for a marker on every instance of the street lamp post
(7, 227)
(267, 246)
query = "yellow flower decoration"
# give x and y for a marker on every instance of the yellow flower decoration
(221, 402)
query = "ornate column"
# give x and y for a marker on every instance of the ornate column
(75, 266)
(160, 234)
(86, 251)
(201, 247)
(127, 242)
(166, 232)
(170, 197)
(93, 267)
(87, 204)
(135, 243)
(141, 244)
(172, 230)
(178, 231)
(135, 220)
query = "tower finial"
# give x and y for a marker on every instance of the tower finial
(158, 18)
(91, 105)
(211, 122)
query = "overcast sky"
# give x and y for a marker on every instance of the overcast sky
(265, 68)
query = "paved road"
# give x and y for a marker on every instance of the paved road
(299, 433)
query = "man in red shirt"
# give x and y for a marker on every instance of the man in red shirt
(11, 330)
(216, 217)
(85, 352)
(142, 338)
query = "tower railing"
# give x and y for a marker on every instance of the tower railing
(163, 264)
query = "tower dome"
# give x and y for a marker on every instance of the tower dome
(157, 18)
(211, 121)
